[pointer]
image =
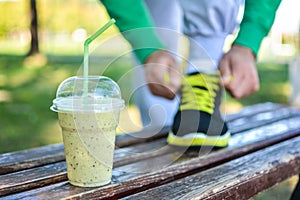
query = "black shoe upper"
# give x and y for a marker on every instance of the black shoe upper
(191, 121)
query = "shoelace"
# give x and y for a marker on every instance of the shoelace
(199, 92)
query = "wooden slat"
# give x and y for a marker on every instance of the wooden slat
(15, 161)
(240, 145)
(252, 110)
(147, 150)
(146, 135)
(238, 179)
(260, 119)
(32, 178)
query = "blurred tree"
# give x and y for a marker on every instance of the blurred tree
(34, 44)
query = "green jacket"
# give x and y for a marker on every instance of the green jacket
(258, 18)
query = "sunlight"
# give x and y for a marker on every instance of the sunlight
(3, 80)
(21, 77)
(35, 61)
(5, 96)
(129, 120)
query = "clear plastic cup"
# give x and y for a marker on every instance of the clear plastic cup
(88, 112)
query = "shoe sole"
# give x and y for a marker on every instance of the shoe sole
(199, 139)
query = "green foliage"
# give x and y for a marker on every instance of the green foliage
(14, 17)
(54, 16)
(68, 15)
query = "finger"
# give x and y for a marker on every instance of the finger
(235, 86)
(161, 90)
(174, 79)
(168, 80)
(159, 82)
(238, 88)
(247, 86)
(155, 73)
(225, 70)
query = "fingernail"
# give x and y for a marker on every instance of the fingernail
(227, 79)
(166, 78)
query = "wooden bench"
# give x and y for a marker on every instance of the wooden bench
(264, 150)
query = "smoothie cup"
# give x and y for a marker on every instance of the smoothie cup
(88, 112)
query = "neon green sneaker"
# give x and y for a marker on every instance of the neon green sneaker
(198, 121)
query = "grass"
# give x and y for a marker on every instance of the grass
(25, 119)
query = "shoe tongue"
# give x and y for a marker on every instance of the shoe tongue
(199, 92)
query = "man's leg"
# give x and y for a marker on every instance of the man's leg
(207, 23)
(198, 121)
(157, 112)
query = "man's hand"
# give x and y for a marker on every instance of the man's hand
(162, 74)
(238, 72)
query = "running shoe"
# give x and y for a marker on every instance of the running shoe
(198, 121)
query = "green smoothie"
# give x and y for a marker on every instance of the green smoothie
(89, 141)
(88, 112)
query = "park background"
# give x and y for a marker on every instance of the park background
(29, 78)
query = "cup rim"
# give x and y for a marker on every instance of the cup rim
(115, 104)
(96, 104)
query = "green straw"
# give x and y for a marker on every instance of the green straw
(86, 53)
(88, 41)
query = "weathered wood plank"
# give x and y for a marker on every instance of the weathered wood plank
(130, 183)
(238, 179)
(145, 151)
(146, 135)
(15, 161)
(262, 118)
(252, 110)
(32, 178)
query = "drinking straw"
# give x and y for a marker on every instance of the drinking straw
(86, 53)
